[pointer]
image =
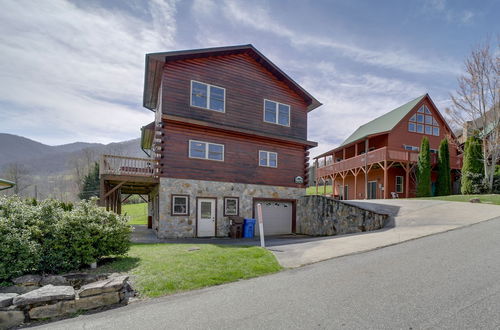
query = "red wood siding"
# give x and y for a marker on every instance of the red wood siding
(240, 158)
(247, 84)
(400, 134)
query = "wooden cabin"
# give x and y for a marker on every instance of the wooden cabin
(230, 131)
(379, 158)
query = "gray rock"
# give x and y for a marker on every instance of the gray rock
(28, 280)
(9, 319)
(6, 299)
(105, 299)
(54, 280)
(79, 279)
(72, 306)
(109, 285)
(475, 200)
(45, 294)
(19, 289)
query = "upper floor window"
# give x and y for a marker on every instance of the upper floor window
(423, 122)
(206, 150)
(276, 113)
(208, 96)
(268, 158)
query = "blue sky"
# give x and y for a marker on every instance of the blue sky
(73, 70)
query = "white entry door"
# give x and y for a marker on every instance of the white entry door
(277, 218)
(206, 217)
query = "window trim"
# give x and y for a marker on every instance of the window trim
(269, 152)
(237, 206)
(172, 197)
(206, 153)
(277, 113)
(208, 96)
(396, 184)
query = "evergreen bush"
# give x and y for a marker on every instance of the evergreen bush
(424, 188)
(443, 184)
(52, 237)
(472, 168)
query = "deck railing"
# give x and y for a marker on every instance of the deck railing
(120, 165)
(379, 155)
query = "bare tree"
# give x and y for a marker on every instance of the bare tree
(19, 174)
(476, 104)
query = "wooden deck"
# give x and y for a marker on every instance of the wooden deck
(378, 156)
(121, 175)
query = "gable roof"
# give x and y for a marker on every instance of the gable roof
(384, 123)
(155, 62)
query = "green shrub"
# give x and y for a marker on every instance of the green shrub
(53, 237)
(424, 170)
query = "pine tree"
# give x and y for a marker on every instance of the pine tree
(424, 170)
(443, 185)
(91, 184)
(472, 166)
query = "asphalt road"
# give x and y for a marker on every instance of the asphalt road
(445, 281)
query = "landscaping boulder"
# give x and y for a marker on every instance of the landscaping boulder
(45, 294)
(109, 285)
(19, 289)
(71, 306)
(9, 319)
(27, 280)
(6, 299)
(475, 200)
(54, 280)
(79, 279)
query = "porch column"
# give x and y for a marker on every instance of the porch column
(386, 180)
(366, 169)
(324, 186)
(407, 180)
(316, 180)
(356, 184)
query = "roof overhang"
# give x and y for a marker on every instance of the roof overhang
(156, 61)
(147, 136)
(6, 184)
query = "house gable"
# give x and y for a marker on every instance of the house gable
(425, 118)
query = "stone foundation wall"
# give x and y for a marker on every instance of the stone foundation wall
(322, 216)
(35, 298)
(185, 226)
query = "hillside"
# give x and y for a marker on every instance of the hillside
(42, 159)
(54, 171)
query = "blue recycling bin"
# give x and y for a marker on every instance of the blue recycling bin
(248, 228)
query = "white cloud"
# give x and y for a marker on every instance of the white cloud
(78, 69)
(398, 59)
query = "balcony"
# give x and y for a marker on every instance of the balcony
(129, 166)
(121, 175)
(378, 156)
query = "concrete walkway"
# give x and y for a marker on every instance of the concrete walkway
(410, 219)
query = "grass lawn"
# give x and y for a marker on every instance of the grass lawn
(160, 269)
(487, 199)
(138, 213)
(312, 190)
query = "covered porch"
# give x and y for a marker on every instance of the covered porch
(122, 177)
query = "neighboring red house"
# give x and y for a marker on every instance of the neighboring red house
(392, 141)
(230, 130)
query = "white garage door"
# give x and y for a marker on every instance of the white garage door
(277, 218)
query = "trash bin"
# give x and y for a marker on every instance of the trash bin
(248, 228)
(235, 227)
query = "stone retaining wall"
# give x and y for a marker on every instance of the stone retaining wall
(65, 295)
(323, 216)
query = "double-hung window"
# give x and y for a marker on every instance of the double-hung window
(399, 184)
(268, 158)
(180, 205)
(276, 113)
(206, 150)
(208, 96)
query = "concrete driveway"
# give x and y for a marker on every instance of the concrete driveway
(410, 219)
